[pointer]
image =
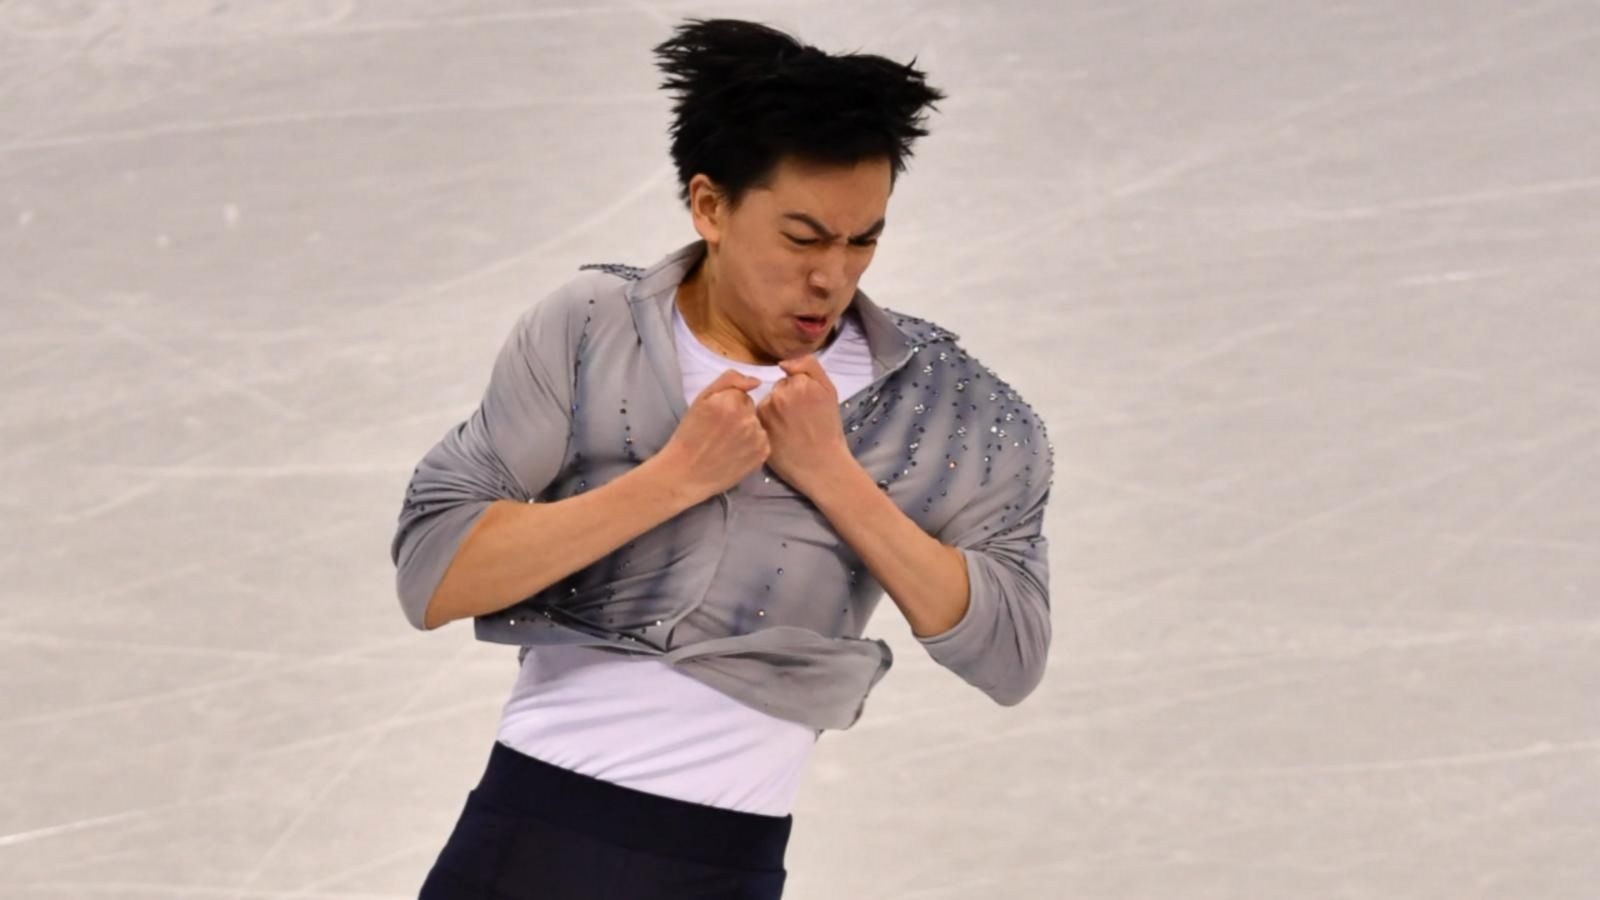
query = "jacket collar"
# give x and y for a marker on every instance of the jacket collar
(892, 337)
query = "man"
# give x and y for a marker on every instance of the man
(689, 581)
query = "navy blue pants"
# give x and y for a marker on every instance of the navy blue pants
(533, 830)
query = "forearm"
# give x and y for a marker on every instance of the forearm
(925, 578)
(515, 549)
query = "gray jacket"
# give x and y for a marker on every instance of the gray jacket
(750, 591)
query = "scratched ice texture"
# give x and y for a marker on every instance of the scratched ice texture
(1306, 293)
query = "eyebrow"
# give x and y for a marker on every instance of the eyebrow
(828, 235)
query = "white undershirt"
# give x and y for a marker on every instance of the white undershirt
(637, 722)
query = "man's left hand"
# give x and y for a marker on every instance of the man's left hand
(801, 417)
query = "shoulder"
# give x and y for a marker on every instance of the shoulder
(591, 285)
(925, 331)
(592, 293)
(615, 270)
(1003, 421)
(1011, 422)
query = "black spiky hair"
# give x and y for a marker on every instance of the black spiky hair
(748, 95)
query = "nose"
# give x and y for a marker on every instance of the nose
(828, 274)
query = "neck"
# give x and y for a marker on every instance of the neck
(700, 298)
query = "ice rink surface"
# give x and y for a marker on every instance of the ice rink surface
(1304, 292)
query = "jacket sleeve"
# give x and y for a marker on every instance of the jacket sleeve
(510, 448)
(1001, 643)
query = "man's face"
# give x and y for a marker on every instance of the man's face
(793, 251)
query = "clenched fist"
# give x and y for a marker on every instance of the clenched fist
(720, 440)
(801, 418)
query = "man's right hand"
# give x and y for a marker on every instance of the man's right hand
(720, 439)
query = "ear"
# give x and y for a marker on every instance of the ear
(707, 207)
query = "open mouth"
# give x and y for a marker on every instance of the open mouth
(811, 327)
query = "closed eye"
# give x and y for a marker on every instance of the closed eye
(807, 242)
